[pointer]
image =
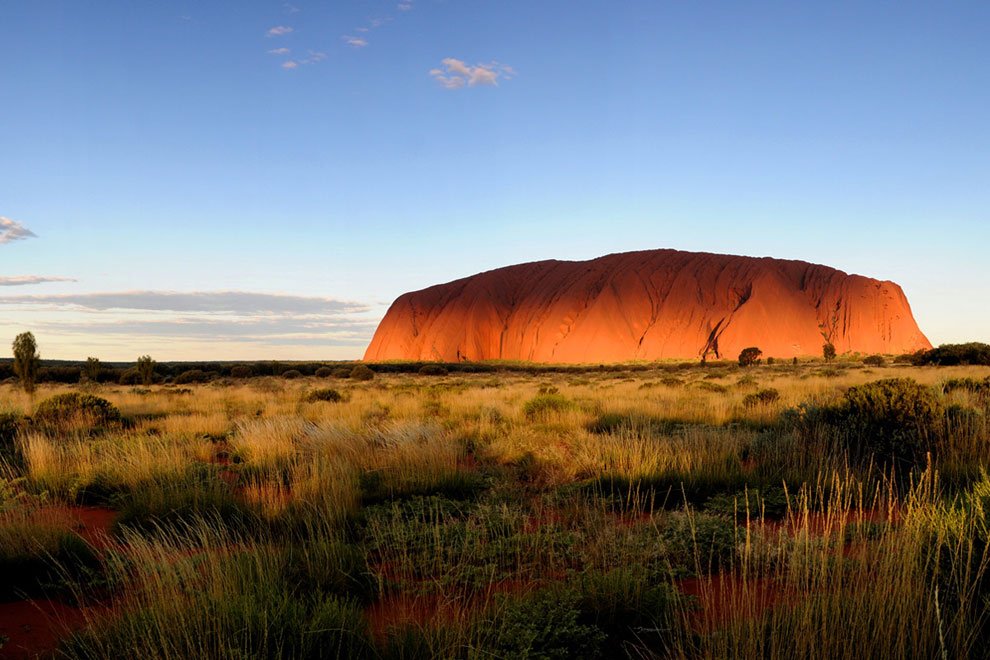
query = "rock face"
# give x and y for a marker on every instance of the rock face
(645, 306)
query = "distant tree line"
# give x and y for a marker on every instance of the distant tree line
(27, 367)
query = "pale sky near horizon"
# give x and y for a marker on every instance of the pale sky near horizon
(259, 180)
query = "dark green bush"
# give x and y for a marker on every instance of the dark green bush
(328, 395)
(433, 370)
(362, 372)
(130, 377)
(874, 361)
(324, 372)
(542, 624)
(342, 372)
(948, 355)
(241, 371)
(761, 398)
(699, 542)
(75, 410)
(291, 374)
(895, 419)
(191, 376)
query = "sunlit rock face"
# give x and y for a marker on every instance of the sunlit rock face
(647, 305)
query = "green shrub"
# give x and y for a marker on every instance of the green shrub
(894, 419)
(874, 361)
(764, 397)
(75, 410)
(291, 374)
(433, 370)
(542, 624)
(974, 353)
(130, 377)
(328, 395)
(543, 405)
(241, 371)
(362, 372)
(828, 351)
(324, 372)
(699, 542)
(342, 372)
(716, 388)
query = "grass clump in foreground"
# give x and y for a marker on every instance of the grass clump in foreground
(648, 512)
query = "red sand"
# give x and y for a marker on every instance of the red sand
(34, 627)
(644, 306)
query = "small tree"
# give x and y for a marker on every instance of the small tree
(92, 369)
(749, 356)
(26, 360)
(828, 351)
(146, 369)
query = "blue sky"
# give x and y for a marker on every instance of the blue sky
(261, 179)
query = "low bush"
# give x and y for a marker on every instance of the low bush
(324, 372)
(893, 421)
(130, 377)
(361, 372)
(433, 370)
(542, 624)
(75, 410)
(241, 371)
(342, 372)
(947, 355)
(542, 406)
(291, 374)
(191, 376)
(874, 361)
(327, 395)
(764, 397)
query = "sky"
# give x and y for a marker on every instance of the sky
(259, 180)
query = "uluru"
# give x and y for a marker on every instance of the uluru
(647, 305)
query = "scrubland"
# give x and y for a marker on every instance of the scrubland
(672, 512)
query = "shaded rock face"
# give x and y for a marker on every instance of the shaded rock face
(645, 306)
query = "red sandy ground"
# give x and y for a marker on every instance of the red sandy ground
(33, 627)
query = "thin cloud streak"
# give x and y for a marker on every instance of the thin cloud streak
(279, 30)
(227, 302)
(22, 280)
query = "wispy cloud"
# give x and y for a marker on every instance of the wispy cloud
(404, 6)
(233, 323)
(279, 51)
(221, 302)
(291, 9)
(356, 42)
(11, 230)
(290, 64)
(279, 30)
(314, 57)
(21, 280)
(455, 74)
